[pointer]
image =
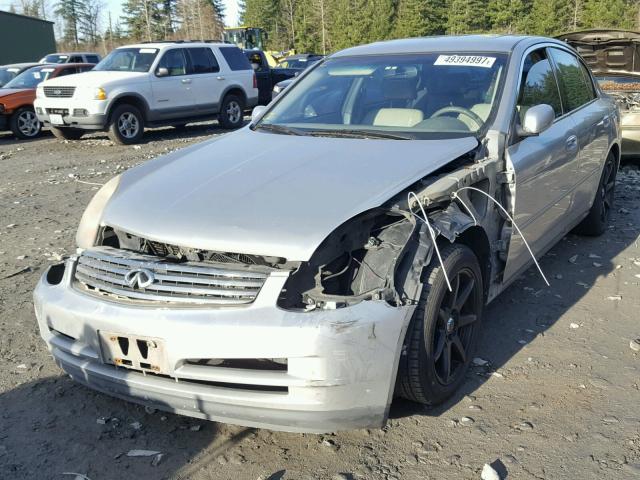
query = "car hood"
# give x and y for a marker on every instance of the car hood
(607, 51)
(14, 92)
(95, 79)
(268, 194)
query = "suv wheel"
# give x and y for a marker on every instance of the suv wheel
(126, 126)
(232, 112)
(67, 133)
(443, 332)
(596, 222)
(24, 124)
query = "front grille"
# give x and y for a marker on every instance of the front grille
(104, 271)
(59, 92)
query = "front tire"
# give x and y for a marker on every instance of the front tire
(126, 126)
(25, 124)
(232, 112)
(596, 222)
(67, 133)
(443, 333)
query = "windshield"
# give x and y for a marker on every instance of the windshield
(31, 78)
(55, 58)
(7, 73)
(128, 60)
(407, 96)
(299, 63)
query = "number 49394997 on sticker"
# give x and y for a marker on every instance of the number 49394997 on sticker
(466, 60)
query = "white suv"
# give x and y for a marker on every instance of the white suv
(149, 85)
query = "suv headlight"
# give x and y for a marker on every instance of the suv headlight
(99, 94)
(90, 221)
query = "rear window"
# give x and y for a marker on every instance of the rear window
(235, 58)
(202, 60)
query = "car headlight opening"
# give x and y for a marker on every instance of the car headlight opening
(92, 216)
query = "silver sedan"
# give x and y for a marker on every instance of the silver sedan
(338, 251)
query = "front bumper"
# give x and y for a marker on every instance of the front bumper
(93, 116)
(341, 363)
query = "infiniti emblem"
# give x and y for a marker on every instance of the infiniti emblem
(140, 278)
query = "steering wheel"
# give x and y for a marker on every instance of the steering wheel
(461, 110)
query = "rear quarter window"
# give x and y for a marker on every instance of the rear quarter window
(235, 58)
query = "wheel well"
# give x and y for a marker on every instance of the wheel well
(476, 239)
(236, 91)
(130, 100)
(615, 149)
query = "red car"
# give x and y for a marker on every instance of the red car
(17, 96)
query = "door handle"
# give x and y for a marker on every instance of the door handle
(219, 77)
(604, 122)
(186, 80)
(572, 143)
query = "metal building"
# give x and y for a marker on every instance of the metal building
(24, 39)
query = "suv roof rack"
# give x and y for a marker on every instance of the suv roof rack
(184, 41)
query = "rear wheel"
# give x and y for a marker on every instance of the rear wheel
(126, 126)
(67, 133)
(443, 332)
(232, 112)
(25, 124)
(596, 222)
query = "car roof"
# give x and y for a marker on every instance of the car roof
(445, 43)
(161, 45)
(20, 65)
(72, 53)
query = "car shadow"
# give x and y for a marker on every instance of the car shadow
(7, 138)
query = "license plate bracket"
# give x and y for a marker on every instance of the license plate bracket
(135, 352)
(56, 119)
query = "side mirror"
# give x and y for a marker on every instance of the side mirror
(536, 120)
(162, 72)
(257, 112)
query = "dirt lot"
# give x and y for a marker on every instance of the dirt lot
(558, 399)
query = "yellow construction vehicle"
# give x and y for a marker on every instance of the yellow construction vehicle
(254, 38)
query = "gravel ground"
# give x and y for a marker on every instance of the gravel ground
(558, 397)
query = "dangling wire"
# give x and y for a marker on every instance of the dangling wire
(455, 195)
(432, 233)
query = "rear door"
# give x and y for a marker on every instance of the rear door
(204, 70)
(172, 94)
(545, 165)
(592, 119)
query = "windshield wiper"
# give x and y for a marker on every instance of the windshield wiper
(359, 134)
(281, 129)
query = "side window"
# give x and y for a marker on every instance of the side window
(76, 59)
(174, 61)
(538, 84)
(67, 71)
(86, 68)
(202, 60)
(589, 80)
(235, 58)
(92, 59)
(573, 85)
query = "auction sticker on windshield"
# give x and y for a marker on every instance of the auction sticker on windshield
(466, 60)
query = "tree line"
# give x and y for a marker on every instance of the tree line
(322, 26)
(86, 25)
(328, 25)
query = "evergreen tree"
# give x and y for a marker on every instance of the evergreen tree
(552, 17)
(417, 18)
(509, 16)
(69, 12)
(144, 20)
(467, 16)
(608, 14)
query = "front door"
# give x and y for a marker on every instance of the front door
(545, 166)
(172, 94)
